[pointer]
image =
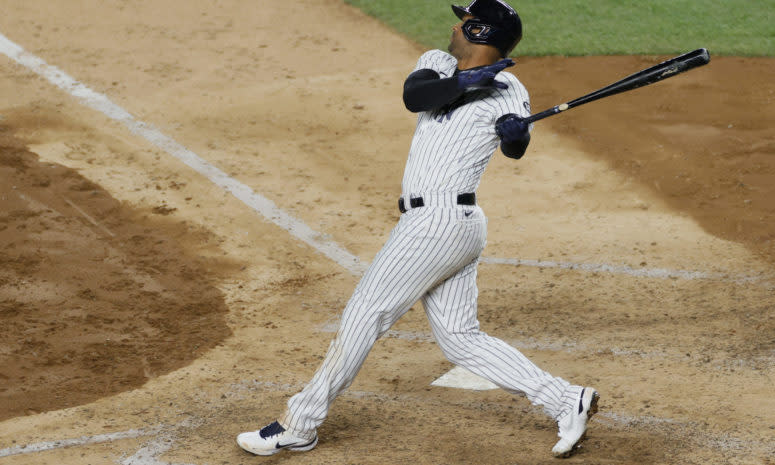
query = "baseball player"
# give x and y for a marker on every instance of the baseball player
(467, 106)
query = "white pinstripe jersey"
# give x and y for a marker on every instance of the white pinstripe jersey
(452, 146)
(432, 255)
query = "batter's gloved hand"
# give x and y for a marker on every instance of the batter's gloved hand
(484, 77)
(511, 128)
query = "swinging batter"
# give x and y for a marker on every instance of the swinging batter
(467, 106)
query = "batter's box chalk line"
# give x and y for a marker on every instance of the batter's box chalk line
(81, 441)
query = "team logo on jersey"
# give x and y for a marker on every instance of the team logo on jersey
(446, 111)
(526, 104)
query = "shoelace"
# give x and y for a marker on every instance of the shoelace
(273, 429)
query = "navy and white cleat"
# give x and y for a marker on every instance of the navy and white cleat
(573, 426)
(272, 439)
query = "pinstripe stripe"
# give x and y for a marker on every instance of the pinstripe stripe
(431, 256)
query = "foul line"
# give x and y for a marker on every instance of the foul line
(257, 202)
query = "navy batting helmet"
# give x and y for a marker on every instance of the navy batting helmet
(494, 23)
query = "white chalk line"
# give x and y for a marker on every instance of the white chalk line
(89, 218)
(655, 273)
(150, 452)
(164, 439)
(569, 347)
(244, 193)
(81, 441)
(257, 202)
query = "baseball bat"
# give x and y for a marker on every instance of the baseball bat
(664, 70)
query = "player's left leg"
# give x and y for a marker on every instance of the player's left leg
(426, 247)
(452, 308)
(416, 257)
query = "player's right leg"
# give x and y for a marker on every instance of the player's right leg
(452, 308)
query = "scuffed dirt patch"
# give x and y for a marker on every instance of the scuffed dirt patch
(95, 298)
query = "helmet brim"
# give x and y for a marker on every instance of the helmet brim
(460, 11)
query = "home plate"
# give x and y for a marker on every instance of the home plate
(461, 378)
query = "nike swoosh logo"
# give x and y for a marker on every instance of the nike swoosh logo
(283, 446)
(467, 214)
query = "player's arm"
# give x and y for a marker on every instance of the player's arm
(514, 133)
(425, 90)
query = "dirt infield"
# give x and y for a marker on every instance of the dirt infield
(149, 316)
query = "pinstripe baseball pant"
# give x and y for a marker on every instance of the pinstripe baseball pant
(431, 256)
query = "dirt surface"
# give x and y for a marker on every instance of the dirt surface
(153, 315)
(702, 143)
(96, 297)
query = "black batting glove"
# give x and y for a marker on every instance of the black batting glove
(483, 77)
(511, 128)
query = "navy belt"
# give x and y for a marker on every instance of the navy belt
(416, 202)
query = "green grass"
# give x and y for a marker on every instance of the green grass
(603, 27)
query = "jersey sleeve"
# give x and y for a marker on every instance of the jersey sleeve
(441, 62)
(514, 100)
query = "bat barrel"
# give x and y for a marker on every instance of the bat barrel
(648, 76)
(659, 72)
